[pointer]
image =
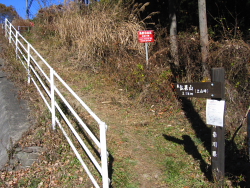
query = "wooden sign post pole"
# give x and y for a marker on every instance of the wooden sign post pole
(214, 90)
(218, 135)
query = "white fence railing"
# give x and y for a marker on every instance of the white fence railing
(65, 110)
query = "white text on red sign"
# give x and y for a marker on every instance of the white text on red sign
(146, 36)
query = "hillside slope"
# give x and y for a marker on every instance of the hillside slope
(147, 145)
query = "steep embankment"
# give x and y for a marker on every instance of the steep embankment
(13, 115)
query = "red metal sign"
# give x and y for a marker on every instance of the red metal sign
(146, 36)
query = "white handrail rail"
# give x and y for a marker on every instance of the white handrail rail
(78, 155)
(44, 81)
(81, 142)
(84, 105)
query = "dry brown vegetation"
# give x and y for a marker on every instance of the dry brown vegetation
(95, 48)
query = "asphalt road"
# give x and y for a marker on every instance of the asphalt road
(14, 120)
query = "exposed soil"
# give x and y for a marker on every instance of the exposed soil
(129, 122)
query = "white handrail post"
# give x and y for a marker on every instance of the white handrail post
(17, 43)
(5, 27)
(10, 34)
(28, 63)
(104, 155)
(52, 87)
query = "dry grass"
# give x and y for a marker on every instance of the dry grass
(21, 22)
(90, 40)
(103, 38)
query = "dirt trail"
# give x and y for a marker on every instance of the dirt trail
(129, 128)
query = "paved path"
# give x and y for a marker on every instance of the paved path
(13, 116)
(14, 122)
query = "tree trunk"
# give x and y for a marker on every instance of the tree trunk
(203, 37)
(173, 32)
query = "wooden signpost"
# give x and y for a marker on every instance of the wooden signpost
(218, 134)
(199, 90)
(214, 90)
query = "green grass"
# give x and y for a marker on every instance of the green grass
(123, 174)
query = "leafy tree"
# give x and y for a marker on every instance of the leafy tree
(8, 12)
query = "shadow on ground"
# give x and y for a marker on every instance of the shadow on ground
(236, 160)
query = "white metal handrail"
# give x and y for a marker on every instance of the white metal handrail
(52, 87)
